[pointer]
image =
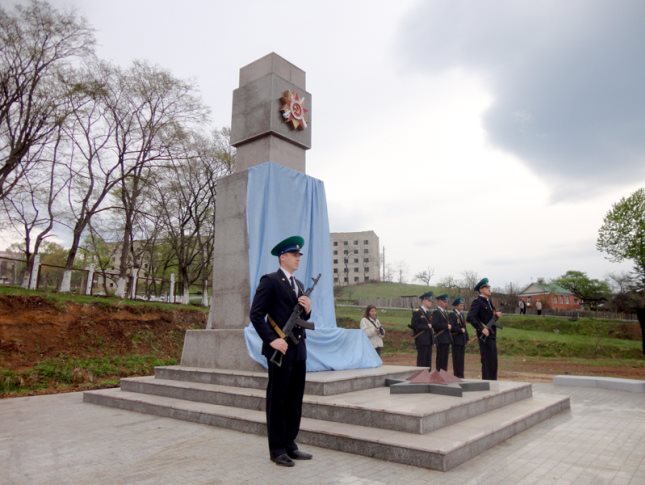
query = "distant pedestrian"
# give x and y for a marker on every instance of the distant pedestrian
(373, 328)
(538, 307)
(522, 306)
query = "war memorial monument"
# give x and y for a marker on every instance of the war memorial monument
(348, 404)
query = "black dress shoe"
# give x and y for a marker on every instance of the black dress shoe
(299, 455)
(282, 460)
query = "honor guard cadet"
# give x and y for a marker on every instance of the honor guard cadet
(482, 316)
(422, 331)
(459, 336)
(441, 327)
(275, 298)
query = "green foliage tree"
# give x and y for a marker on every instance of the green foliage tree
(590, 290)
(622, 234)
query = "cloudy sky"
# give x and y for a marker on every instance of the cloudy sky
(485, 136)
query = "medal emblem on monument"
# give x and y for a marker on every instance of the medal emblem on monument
(293, 110)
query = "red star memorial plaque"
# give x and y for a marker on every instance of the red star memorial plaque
(293, 110)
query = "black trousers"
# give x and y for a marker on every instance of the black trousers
(442, 356)
(488, 353)
(424, 356)
(285, 390)
(458, 358)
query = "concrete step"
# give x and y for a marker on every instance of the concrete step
(412, 413)
(318, 383)
(441, 449)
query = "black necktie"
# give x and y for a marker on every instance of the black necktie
(293, 285)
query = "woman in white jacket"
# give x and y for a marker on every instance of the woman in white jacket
(373, 328)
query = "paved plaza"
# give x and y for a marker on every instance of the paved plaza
(59, 439)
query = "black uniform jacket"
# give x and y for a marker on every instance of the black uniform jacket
(419, 325)
(275, 297)
(440, 326)
(458, 323)
(480, 313)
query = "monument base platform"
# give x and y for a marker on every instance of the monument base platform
(217, 349)
(351, 411)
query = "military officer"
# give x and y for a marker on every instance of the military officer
(459, 336)
(481, 312)
(422, 331)
(275, 298)
(441, 326)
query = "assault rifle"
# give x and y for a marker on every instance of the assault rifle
(295, 320)
(493, 322)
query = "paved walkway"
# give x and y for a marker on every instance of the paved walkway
(60, 439)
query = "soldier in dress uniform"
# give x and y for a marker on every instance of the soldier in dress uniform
(422, 331)
(441, 326)
(481, 312)
(273, 303)
(459, 336)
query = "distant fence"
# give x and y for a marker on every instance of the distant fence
(14, 272)
(413, 302)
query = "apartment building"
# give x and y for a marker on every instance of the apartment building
(355, 257)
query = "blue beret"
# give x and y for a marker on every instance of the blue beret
(457, 301)
(482, 282)
(426, 296)
(292, 244)
(443, 297)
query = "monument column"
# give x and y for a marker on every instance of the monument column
(271, 122)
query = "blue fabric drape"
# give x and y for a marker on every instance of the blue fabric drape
(282, 202)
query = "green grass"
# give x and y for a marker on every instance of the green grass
(525, 335)
(381, 290)
(65, 372)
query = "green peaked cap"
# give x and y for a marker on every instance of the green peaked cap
(292, 244)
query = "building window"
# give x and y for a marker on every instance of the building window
(355, 251)
(335, 243)
(355, 270)
(366, 251)
(366, 269)
(356, 279)
(366, 241)
(335, 261)
(356, 260)
(345, 243)
(568, 300)
(335, 252)
(346, 279)
(366, 260)
(562, 299)
(555, 300)
(335, 270)
(346, 251)
(355, 243)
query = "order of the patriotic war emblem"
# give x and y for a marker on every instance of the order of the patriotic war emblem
(293, 110)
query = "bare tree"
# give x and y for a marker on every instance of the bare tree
(93, 169)
(36, 44)
(401, 271)
(622, 282)
(185, 200)
(469, 279)
(149, 108)
(425, 276)
(448, 282)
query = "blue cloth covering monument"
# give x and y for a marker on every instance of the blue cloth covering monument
(273, 191)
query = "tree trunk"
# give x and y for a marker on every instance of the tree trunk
(640, 313)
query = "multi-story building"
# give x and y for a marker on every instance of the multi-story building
(355, 257)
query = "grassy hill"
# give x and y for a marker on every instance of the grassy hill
(382, 290)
